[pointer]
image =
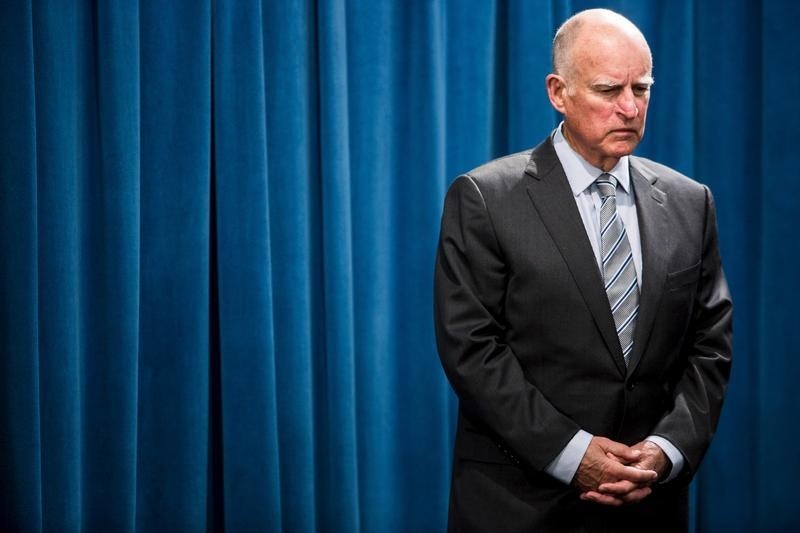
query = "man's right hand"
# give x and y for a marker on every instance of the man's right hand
(605, 461)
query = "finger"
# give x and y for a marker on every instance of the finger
(646, 463)
(636, 495)
(622, 451)
(620, 487)
(631, 473)
(603, 499)
(616, 458)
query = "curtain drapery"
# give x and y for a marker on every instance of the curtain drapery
(218, 221)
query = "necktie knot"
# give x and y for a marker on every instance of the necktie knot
(606, 185)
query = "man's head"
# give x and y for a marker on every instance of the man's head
(602, 73)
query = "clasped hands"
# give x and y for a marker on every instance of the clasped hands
(612, 473)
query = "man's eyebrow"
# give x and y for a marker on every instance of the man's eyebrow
(608, 84)
(605, 84)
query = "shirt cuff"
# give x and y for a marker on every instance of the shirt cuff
(566, 463)
(670, 451)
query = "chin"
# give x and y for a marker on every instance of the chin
(623, 149)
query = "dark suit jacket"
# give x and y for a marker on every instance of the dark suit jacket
(528, 342)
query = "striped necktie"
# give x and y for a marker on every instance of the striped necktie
(619, 272)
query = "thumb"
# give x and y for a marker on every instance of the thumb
(621, 451)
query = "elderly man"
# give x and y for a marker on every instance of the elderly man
(582, 314)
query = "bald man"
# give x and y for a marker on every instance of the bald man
(582, 313)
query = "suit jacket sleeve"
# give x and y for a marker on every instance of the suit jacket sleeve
(699, 392)
(470, 284)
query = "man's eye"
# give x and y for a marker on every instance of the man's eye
(641, 90)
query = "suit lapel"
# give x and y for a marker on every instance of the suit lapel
(655, 240)
(553, 199)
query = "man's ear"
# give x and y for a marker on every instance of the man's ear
(556, 91)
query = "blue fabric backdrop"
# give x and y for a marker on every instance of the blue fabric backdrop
(218, 222)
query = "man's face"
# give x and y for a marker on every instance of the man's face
(604, 96)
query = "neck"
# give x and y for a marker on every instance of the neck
(604, 164)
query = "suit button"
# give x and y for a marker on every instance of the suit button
(631, 385)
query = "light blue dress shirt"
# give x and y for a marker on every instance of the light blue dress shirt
(581, 176)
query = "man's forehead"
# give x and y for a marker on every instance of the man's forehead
(612, 58)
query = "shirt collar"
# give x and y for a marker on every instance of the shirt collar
(581, 174)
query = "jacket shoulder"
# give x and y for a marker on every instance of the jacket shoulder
(666, 178)
(501, 174)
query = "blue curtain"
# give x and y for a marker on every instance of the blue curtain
(217, 227)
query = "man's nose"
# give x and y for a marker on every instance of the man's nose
(626, 104)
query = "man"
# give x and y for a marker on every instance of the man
(582, 314)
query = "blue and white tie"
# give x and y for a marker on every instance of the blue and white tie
(619, 272)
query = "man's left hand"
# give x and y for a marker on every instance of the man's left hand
(651, 458)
